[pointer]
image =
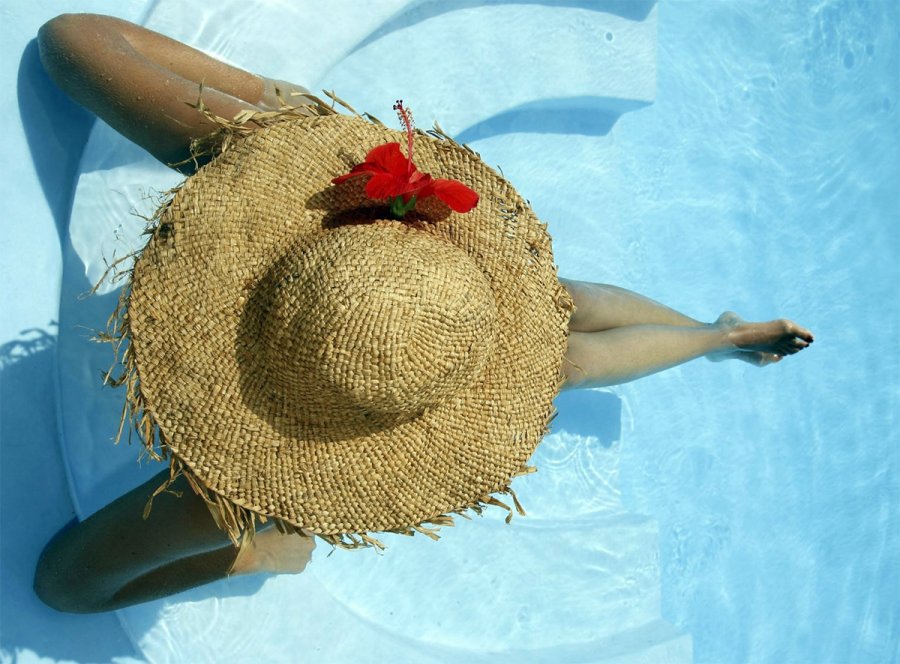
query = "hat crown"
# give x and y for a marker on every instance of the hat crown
(373, 324)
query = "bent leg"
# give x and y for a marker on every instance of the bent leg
(116, 558)
(140, 82)
(86, 567)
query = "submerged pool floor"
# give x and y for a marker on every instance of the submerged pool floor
(745, 159)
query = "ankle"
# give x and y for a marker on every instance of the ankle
(723, 330)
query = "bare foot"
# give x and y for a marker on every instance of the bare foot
(754, 357)
(761, 343)
(274, 552)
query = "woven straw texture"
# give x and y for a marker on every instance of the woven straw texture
(306, 359)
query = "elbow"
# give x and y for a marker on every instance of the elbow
(64, 26)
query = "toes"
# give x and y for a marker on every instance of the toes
(761, 359)
(791, 346)
(804, 334)
(769, 358)
(795, 330)
(788, 348)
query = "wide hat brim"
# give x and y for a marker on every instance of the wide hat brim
(215, 240)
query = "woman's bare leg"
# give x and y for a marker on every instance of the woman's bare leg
(603, 307)
(115, 558)
(623, 354)
(140, 82)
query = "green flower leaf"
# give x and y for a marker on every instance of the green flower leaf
(399, 208)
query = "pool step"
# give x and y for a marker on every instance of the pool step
(579, 575)
(543, 589)
(550, 68)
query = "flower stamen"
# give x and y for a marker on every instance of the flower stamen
(408, 124)
(402, 184)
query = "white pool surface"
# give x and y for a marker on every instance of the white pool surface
(711, 155)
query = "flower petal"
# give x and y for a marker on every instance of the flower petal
(360, 169)
(389, 158)
(386, 185)
(385, 158)
(455, 194)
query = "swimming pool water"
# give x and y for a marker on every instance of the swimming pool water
(715, 512)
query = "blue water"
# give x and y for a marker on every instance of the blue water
(711, 155)
(773, 150)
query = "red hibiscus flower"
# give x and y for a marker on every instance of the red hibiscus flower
(395, 178)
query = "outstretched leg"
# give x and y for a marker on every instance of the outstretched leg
(603, 307)
(623, 354)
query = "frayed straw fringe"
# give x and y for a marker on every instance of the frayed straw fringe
(237, 521)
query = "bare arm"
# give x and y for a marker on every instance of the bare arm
(138, 81)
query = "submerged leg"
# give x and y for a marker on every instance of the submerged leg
(623, 354)
(603, 307)
(115, 558)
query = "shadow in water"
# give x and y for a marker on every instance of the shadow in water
(632, 10)
(35, 499)
(589, 413)
(34, 504)
(583, 116)
(34, 493)
(56, 129)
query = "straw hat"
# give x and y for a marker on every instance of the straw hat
(300, 357)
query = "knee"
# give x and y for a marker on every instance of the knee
(51, 580)
(56, 33)
(60, 45)
(60, 582)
